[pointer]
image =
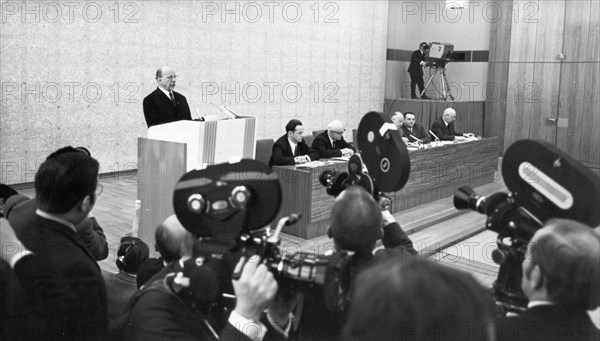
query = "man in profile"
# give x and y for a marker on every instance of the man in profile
(68, 295)
(413, 130)
(398, 120)
(165, 105)
(444, 127)
(291, 149)
(331, 143)
(415, 70)
(561, 279)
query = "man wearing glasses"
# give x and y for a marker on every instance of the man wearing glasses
(331, 143)
(165, 105)
(56, 271)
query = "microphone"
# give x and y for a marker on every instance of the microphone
(416, 138)
(434, 135)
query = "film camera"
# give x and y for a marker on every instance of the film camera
(228, 206)
(544, 183)
(385, 156)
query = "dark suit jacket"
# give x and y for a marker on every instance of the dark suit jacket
(418, 131)
(20, 209)
(158, 108)
(548, 323)
(120, 288)
(282, 154)
(322, 145)
(444, 133)
(318, 321)
(415, 63)
(67, 289)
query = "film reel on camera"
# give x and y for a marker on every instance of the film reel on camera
(383, 152)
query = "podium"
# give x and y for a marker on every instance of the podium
(173, 149)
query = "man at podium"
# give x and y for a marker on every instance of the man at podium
(165, 105)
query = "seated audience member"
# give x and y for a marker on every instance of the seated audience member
(444, 127)
(414, 131)
(5, 193)
(164, 105)
(66, 289)
(561, 279)
(290, 149)
(171, 241)
(120, 287)
(357, 223)
(331, 143)
(20, 209)
(418, 300)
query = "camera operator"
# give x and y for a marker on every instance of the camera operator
(415, 69)
(165, 310)
(561, 279)
(357, 223)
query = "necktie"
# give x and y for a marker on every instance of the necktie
(172, 97)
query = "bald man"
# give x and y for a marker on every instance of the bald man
(172, 241)
(561, 279)
(444, 127)
(165, 105)
(331, 143)
(398, 120)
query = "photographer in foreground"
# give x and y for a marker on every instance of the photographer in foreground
(561, 279)
(165, 309)
(357, 223)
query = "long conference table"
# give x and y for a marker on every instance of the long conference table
(435, 173)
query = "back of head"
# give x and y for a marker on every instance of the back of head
(417, 300)
(64, 180)
(355, 220)
(568, 254)
(292, 124)
(131, 254)
(173, 240)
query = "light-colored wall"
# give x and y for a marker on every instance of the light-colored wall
(411, 22)
(75, 73)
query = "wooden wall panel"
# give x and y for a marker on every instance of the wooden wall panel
(495, 103)
(580, 80)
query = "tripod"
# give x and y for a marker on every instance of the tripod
(445, 87)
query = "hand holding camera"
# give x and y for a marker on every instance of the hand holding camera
(255, 289)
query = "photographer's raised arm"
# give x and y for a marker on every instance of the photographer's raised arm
(393, 235)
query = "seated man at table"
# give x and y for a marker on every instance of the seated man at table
(398, 120)
(331, 143)
(414, 131)
(444, 127)
(290, 149)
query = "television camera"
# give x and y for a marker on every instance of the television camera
(437, 55)
(543, 183)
